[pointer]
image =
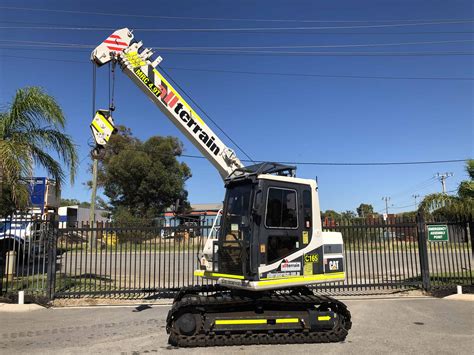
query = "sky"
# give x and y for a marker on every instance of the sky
(372, 100)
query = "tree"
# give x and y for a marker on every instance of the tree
(365, 210)
(74, 202)
(69, 202)
(447, 206)
(466, 188)
(348, 214)
(31, 128)
(143, 178)
(330, 214)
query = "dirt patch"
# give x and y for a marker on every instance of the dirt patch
(443, 292)
(28, 299)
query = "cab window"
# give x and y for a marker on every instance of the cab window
(282, 211)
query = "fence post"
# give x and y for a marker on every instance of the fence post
(471, 232)
(51, 245)
(423, 251)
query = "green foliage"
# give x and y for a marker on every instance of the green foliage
(365, 210)
(69, 202)
(74, 202)
(330, 214)
(348, 214)
(470, 168)
(123, 217)
(446, 206)
(143, 177)
(31, 128)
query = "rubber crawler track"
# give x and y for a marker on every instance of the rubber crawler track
(189, 301)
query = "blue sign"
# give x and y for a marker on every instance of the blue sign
(37, 191)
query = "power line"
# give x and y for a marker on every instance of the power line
(237, 48)
(326, 54)
(206, 114)
(371, 163)
(216, 18)
(264, 73)
(276, 53)
(416, 188)
(338, 33)
(329, 163)
(317, 75)
(317, 46)
(400, 207)
(420, 186)
(236, 29)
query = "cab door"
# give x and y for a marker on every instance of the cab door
(281, 227)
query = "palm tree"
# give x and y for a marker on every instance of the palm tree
(31, 129)
(443, 205)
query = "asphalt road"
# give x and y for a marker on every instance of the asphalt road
(399, 325)
(161, 270)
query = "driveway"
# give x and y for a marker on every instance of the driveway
(386, 325)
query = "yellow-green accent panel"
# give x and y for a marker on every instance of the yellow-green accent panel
(240, 321)
(202, 273)
(287, 320)
(282, 281)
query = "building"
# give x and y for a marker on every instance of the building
(200, 213)
(70, 216)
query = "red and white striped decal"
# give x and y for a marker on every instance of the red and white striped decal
(114, 43)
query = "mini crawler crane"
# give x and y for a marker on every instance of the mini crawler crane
(270, 245)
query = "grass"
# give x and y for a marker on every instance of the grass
(155, 245)
(38, 283)
(34, 283)
(403, 246)
(465, 277)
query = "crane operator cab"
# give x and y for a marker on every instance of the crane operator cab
(271, 235)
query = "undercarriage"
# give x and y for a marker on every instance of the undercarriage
(214, 315)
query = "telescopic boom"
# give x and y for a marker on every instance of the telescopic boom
(137, 64)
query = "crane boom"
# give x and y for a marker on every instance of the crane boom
(136, 64)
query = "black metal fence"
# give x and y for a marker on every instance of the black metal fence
(155, 260)
(135, 260)
(27, 255)
(397, 253)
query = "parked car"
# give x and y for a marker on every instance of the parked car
(25, 236)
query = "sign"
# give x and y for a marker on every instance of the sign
(438, 233)
(287, 266)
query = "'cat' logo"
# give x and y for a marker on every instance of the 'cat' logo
(334, 265)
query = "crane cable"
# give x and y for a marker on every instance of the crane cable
(94, 81)
(112, 85)
(206, 114)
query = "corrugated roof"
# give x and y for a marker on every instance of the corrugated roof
(206, 206)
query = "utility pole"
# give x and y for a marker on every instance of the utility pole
(386, 199)
(442, 178)
(415, 197)
(95, 164)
